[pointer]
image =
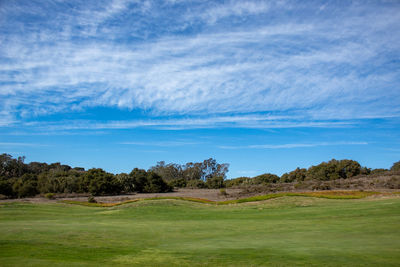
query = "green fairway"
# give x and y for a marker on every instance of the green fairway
(283, 231)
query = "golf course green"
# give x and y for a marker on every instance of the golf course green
(284, 231)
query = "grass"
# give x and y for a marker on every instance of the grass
(283, 231)
(320, 194)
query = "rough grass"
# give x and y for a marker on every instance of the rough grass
(321, 194)
(284, 231)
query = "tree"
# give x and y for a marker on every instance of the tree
(139, 179)
(6, 188)
(210, 168)
(10, 167)
(127, 182)
(215, 182)
(168, 172)
(99, 182)
(297, 175)
(25, 186)
(395, 167)
(266, 178)
(155, 184)
(335, 169)
(192, 171)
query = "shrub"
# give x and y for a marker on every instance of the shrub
(99, 182)
(177, 183)
(91, 199)
(395, 167)
(378, 171)
(139, 178)
(215, 182)
(238, 181)
(393, 182)
(155, 184)
(25, 188)
(335, 169)
(6, 188)
(321, 187)
(266, 178)
(49, 196)
(296, 175)
(223, 192)
(195, 184)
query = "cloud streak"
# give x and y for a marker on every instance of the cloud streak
(13, 144)
(205, 122)
(294, 145)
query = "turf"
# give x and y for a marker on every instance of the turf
(284, 231)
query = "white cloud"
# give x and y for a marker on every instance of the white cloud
(205, 122)
(294, 145)
(13, 144)
(217, 12)
(314, 68)
(161, 143)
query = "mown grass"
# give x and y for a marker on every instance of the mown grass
(284, 231)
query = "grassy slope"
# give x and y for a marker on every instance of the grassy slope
(282, 231)
(320, 194)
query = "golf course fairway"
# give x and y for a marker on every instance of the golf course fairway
(285, 231)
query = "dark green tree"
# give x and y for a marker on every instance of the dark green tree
(155, 184)
(297, 175)
(266, 178)
(215, 182)
(395, 167)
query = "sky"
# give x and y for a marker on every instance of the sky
(266, 86)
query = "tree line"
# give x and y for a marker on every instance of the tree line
(18, 179)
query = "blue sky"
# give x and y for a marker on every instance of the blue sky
(266, 86)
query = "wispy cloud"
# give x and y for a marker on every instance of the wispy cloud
(161, 143)
(321, 63)
(294, 145)
(216, 12)
(204, 122)
(13, 144)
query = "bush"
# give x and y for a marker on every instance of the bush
(238, 181)
(98, 182)
(155, 184)
(139, 179)
(395, 167)
(393, 182)
(296, 175)
(25, 188)
(266, 178)
(215, 182)
(335, 169)
(321, 187)
(91, 199)
(195, 184)
(223, 192)
(177, 183)
(49, 196)
(6, 188)
(378, 171)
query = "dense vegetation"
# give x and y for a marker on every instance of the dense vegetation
(286, 231)
(18, 179)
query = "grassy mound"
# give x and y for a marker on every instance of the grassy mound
(322, 194)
